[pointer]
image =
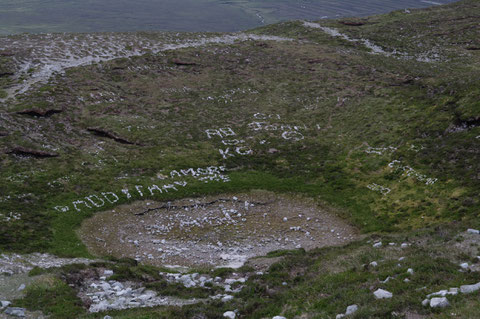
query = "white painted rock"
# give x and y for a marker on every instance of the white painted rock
(373, 264)
(439, 302)
(464, 265)
(382, 294)
(279, 317)
(377, 245)
(230, 315)
(473, 231)
(351, 309)
(467, 289)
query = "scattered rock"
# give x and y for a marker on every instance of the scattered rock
(377, 245)
(382, 294)
(467, 289)
(279, 317)
(404, 245)
(230, 315)
(22, 287)
(464, 266)
(107, 317)
(473, 231)
(15, 311)
(374, 264)
(340, 316)
(410, 271)
(425, 302)
(439, 302)
(351, 309)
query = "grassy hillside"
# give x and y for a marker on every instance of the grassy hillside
(387, 139)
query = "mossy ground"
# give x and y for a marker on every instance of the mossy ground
(344, 102)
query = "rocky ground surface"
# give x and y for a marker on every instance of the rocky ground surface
(221, 231)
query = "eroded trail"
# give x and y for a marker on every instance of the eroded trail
(214, 231)
(39, 57)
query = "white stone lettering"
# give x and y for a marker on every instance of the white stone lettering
(226, 153)
(169, 186)
(111, 197)
(138, 187)
(78, 202)
(293, 135)
(89, 198)
(62, 209)
(125, 191)
(242, 150)
(154, 187)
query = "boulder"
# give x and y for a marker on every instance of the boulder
(467, 289)
(439, 302)
(382, 294)
(229, 315)
(15, 311)
(4, 303)
(351, 309)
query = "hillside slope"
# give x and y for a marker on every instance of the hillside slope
(372, 120)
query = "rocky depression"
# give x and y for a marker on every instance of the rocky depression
(213, 231)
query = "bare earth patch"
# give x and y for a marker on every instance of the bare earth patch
(222, 230)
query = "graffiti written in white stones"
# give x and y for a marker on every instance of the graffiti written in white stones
(380, 150)
(379, 188)
(230, 145)
(408, 171)
(288, 132)
(208, 174)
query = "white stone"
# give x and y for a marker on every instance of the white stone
(404, 245)
(410, 271)
(382, 294)
(467, 289)
(22, 287)
(351, 309)
(473, 231)
(464, 265)
(4, 304)
(340, 316)
(108, 272)
(227, 298)
(406, 280)
(279, 317)
(439, 302)
(15, 311)
(373, 264)
(230, 315)
(425, 302)
(377, 245)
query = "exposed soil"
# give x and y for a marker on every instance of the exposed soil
(216, 230)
